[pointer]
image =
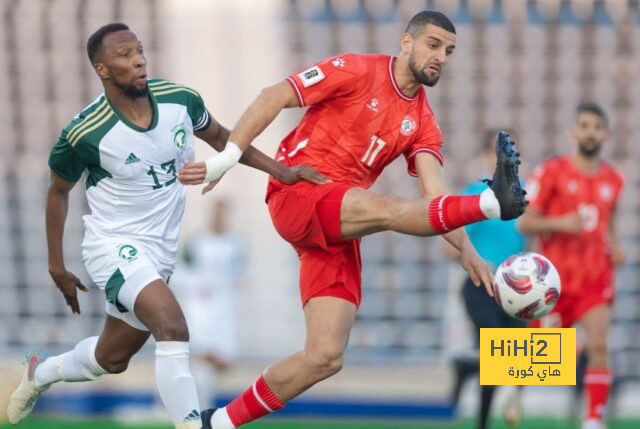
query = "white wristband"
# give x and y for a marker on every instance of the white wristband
(218, 164)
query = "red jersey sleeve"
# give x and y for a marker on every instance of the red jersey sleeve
(540, 187)
(428, 139)
(330, 78)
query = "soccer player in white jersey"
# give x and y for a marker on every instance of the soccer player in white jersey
(132, 141)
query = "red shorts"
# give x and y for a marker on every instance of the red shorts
(572, 306)
(308, 217)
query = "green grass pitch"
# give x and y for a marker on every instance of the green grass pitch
(39, 423)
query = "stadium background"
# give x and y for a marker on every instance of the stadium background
(518, 63)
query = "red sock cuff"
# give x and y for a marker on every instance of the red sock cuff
(267, 395)
(448, 212)
(257, 401)
(436, 214)
(597, 376)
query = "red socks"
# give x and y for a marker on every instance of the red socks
(597, 382)
(448, 212)
(255, 402)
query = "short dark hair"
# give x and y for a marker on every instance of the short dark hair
(94, 44)
(595, 108)
(419, 20)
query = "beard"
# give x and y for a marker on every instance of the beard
(420, 75)
(589, 148)
(132, 91)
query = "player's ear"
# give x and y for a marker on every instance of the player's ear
(406, 43)
(101, 70)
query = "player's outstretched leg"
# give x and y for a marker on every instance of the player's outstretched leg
(363, 212)
(42, 371)
(329, 321)
(24, 398)
(89, 359)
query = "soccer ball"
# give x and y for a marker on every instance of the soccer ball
(527, 286)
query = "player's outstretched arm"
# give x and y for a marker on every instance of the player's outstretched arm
(253, 121)
(262, 112)
(56, 215)
(217, 136)
(432, 183)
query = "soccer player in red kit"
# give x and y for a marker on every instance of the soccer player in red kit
(573, 200)
(363, 112)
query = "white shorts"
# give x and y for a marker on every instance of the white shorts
(122, 268)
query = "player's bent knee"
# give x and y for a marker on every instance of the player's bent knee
(326, 363)
(115, 367)
(171, 330)
(112, 364)
(327, 366)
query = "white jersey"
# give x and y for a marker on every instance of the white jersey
(132, 186)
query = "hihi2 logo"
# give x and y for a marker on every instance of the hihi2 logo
(527, 356)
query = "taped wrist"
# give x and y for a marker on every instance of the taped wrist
(218, 164)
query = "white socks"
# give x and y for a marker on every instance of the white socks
(78, 364)
(489, 204)
(221, 420)
(176, 385)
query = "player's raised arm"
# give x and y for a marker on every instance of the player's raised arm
(217, 136)
(253, 121)
(432, 183)
(262, 112)
(56, 215)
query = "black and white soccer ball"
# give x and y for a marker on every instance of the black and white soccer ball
(527, 286)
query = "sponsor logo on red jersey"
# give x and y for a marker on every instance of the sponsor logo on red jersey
(311, 76)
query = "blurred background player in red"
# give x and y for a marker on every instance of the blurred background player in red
(364, 111)
(573, 203)
(482, 309)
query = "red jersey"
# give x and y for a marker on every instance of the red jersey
(556, 188)
(358, 120)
